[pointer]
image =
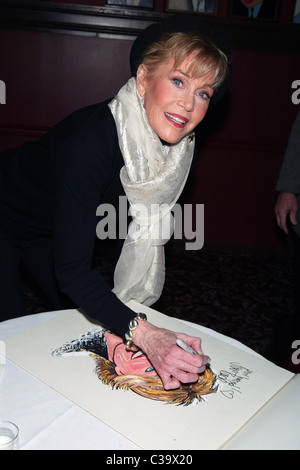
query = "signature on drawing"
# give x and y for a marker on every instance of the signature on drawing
(232, 379)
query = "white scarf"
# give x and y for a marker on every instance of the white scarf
(153, 178)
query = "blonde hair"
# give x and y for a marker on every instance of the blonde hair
(208, 60)
(152, 387)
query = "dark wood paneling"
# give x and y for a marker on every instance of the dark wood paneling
(243, 139)
(114, 21)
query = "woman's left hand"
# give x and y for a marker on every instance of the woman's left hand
(172, 364)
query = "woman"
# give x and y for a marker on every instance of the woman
(119, 368)
(140, 144)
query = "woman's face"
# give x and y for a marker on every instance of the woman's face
(127, 362)
(175, 103)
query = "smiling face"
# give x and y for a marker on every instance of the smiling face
(127, 362)
(174, 101)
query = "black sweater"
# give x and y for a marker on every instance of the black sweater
(52, 188)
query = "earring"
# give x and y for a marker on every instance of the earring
(141, 97)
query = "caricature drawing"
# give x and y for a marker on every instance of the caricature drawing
(123, 369)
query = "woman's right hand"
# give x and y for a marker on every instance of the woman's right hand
(172, 364)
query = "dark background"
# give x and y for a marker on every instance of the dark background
(56, 57)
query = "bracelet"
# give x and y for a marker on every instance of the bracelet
(133, 324)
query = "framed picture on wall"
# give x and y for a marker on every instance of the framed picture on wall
(266, 10)
(132, 3)
(208, 7)
(296, 18)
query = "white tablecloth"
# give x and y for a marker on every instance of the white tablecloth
(47, 420)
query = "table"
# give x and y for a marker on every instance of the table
(49, 421)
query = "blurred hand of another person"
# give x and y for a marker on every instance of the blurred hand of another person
(286, 206)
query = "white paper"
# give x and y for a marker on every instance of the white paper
(247, 383)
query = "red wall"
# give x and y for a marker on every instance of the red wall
(239, 165)
(49, 75)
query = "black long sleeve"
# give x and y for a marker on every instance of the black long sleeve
(58, 183)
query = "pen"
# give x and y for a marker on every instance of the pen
(185, 347)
